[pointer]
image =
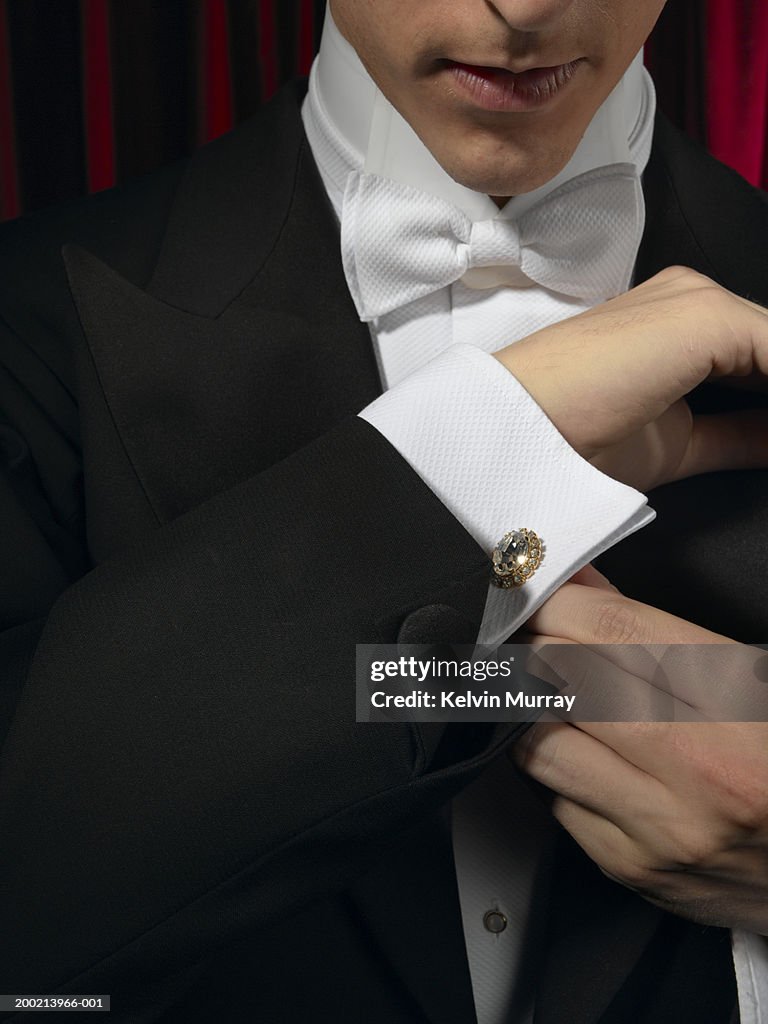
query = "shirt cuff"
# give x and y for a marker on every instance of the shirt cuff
(495, 460)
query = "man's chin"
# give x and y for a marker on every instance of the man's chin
(501, 189)
(514, 177)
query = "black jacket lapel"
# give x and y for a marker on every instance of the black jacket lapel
(230, 209)
(244, 347)
(701, 214)
(410, 906)
(597, 931)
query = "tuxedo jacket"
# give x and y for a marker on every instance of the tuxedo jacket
(196, 531)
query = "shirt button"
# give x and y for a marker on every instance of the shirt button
(494, 921)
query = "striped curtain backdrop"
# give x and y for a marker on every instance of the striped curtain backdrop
(95, 91)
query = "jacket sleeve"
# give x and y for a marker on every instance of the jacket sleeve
(181, 761)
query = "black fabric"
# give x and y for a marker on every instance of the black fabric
(185, 800)
(596, 927)
(47, 87)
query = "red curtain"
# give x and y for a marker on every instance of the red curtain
(737, 85)
(97, 95)
(215, 85)
(131, 84)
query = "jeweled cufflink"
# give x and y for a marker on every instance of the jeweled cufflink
(516, 558)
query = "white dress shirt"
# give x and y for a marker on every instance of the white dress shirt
(496, 461)
(458, 417)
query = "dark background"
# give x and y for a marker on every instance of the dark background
(96, 91)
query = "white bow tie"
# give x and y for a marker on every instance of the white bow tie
(399, 244)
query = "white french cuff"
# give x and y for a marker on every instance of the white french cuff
(495, 460)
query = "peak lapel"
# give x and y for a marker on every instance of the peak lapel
(231, 207)
(244, 347)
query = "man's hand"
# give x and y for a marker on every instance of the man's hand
(677, 811)
(612, 380)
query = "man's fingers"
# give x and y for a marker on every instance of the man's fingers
(654, 683)
(610, 684)
(580, 768)
(678, 445)
(587, 615)
(737, 440)
(709, 674)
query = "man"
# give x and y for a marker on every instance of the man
(190, 819)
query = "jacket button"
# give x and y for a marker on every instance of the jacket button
(437, 623)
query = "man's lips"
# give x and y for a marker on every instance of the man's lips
(496, 88)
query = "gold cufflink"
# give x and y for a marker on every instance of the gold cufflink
(516, 558)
